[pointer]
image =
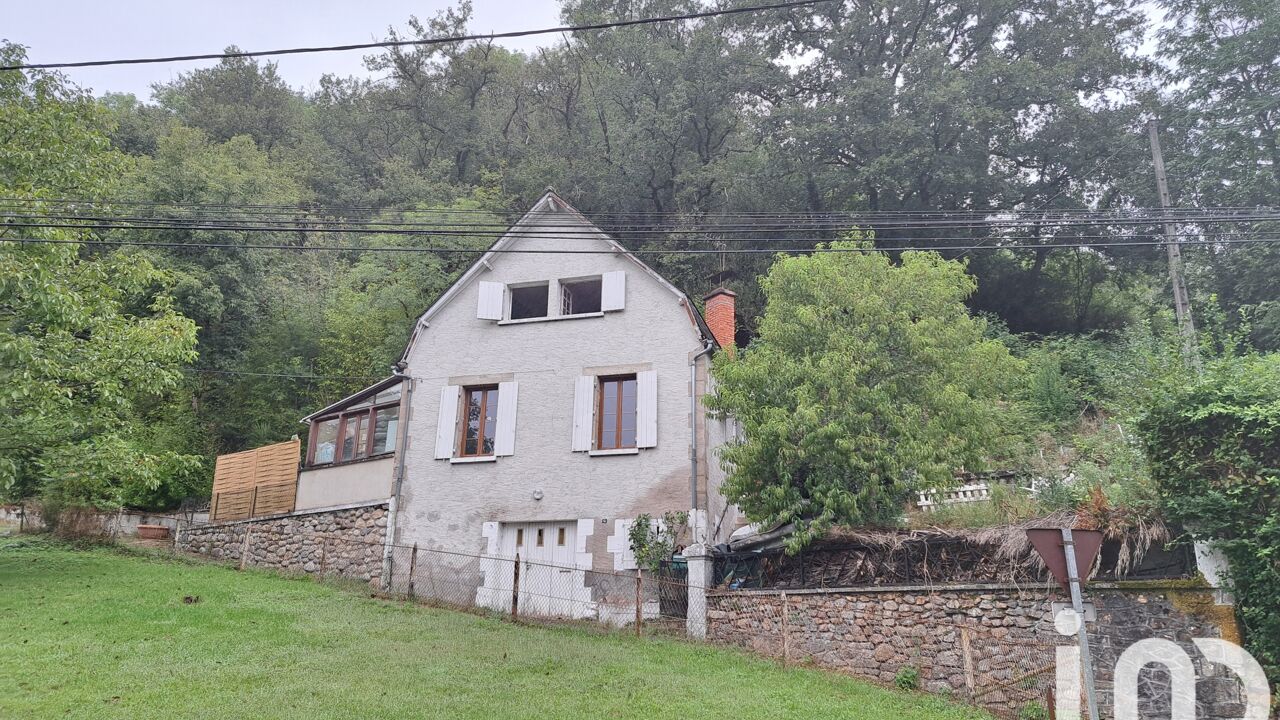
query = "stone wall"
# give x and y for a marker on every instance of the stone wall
(344, 542)
(991, 645)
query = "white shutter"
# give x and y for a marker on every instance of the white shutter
(447, 422)
(584, 396)
(646, 409)
(613, 290)
(504, 440)
(490, 304)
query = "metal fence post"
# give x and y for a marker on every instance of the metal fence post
(413, 566)
(515, 589)
(639, 603)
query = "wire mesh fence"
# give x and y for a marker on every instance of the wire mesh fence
(979, 654)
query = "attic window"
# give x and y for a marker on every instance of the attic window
(578, 297)
(529, 301)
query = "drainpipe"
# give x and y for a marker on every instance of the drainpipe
(403, 444)
(393, 504)
(707, 348)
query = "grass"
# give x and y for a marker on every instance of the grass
(104, 633)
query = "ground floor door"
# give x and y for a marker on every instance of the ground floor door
(549, 582)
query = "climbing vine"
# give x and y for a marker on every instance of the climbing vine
(1214, 450)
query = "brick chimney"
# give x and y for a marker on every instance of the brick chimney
(719, 315)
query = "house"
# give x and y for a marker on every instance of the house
(544, 401)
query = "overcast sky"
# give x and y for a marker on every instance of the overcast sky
(70, 30)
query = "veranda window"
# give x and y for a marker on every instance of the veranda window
(356, 434)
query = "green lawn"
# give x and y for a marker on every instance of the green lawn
(106, 634)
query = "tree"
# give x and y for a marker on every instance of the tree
(867, 380)
(90, 345)
(1223, 120)
(235, 97)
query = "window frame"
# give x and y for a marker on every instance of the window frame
(370, 416)
(598, 440)
(460, 442)
(565, 288)
(512, 288)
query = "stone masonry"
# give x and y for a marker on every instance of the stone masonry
(346, 542)
(991, 645)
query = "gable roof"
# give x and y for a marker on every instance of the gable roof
(549, 203)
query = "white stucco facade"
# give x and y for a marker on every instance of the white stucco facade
(461, 506)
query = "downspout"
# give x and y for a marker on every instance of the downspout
(393, 503)
(707, 349)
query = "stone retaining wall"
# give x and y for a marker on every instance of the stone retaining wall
(994, 646)
(345, 542)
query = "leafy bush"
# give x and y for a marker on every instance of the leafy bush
(1214, 450)
(652, 542)
(908, 678)
(1033, 710)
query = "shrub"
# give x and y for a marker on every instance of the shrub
(908, 678)
(1214, 450)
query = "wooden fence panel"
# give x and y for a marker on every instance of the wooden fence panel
(252, 483)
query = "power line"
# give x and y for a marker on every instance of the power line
(211, 371)
(446, 40)
(101, 222)
(1251, 240)
(315, 209)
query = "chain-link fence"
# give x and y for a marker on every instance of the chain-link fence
(992, 648)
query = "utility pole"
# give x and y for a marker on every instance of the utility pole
(1181, 299)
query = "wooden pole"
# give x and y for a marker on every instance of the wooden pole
(1181, 298)
(967, 654)
(639, 603)
(786, 634)
(213, 511)
(515, 589)
(244, 550)
(413, 566)
(253, 502)
(324, 555)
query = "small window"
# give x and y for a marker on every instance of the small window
(560, 537)
(616, 413)
(539, 537)
(519, 537)
(580, 296)
(326, 441)
(385, 426)
(479, 420)
(529, 301)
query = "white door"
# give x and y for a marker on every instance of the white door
(550, 584)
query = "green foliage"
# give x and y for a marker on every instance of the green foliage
(907, 678)
(867, 380)
(654, 542)
(92, 346)
(1214, 449)
(1006, 505)
(1033, 710)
